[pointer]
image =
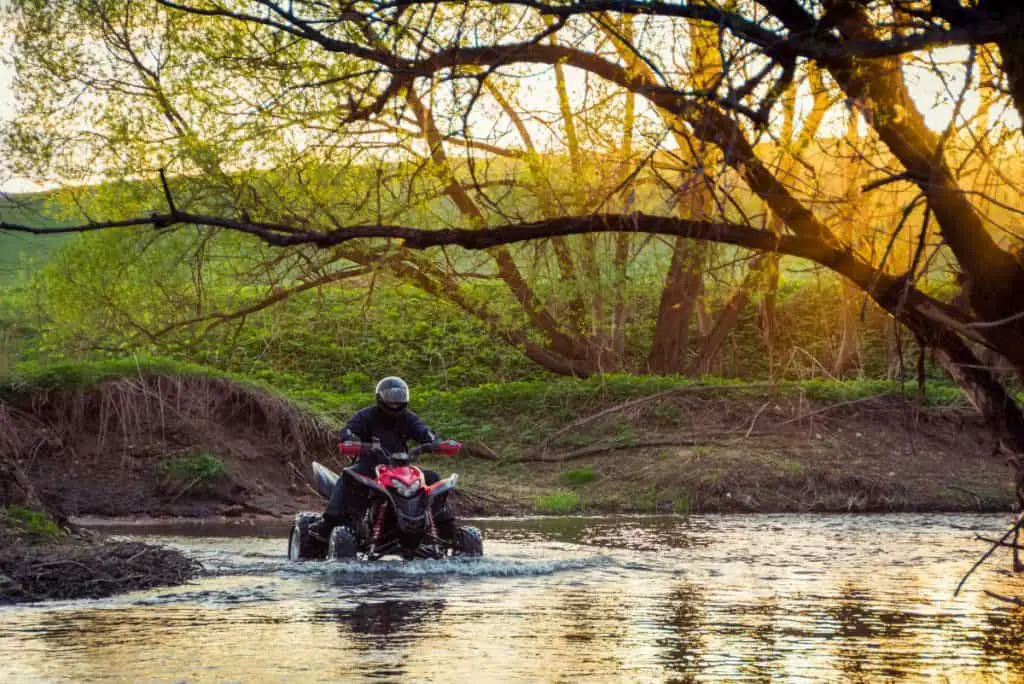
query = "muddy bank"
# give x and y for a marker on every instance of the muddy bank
(759, 454)
(158, 445)
(40, 561)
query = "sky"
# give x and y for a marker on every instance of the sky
(926, 90)
(7, 182)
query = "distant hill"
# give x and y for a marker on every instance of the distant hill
(16, 248)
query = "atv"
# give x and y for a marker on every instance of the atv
(398, 514)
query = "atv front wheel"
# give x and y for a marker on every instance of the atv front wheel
(468, 542)
(343, 544)
(301, 545)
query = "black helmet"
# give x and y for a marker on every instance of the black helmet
(392, 395)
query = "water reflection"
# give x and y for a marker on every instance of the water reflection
(379, 622)
(726, 598)
(685, 642)
(381, 634)
(1002, 638)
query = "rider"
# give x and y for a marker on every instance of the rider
(393, 424)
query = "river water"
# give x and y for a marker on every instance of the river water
(751, 597)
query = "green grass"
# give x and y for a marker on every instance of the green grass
(199, 468)
(32, 521)
(518, 415)
(558, 503)
(576, 477)
(19, 250)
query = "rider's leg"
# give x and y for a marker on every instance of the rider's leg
(339, 502)
(443, 518)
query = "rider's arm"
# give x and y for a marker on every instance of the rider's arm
(358, 428)
(418, 430)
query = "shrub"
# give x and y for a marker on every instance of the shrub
(579, 476)
(34, 522)
(200, 467)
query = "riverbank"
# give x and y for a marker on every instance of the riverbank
(41, 560)
(136, 441)
(161, 444)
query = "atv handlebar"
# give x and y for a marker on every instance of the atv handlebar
(353, 450)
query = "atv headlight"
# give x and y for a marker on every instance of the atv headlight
(405, 490)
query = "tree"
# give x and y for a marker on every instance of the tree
(311, 70)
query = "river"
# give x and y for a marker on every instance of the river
(729, 597)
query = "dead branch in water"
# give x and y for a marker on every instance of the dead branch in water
(996, 542)
(74, 568)
(1006, 599)
(1015, 530)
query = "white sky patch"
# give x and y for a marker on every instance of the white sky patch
(933, 94)
(8, 181)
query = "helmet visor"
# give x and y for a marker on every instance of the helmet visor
(393, 396)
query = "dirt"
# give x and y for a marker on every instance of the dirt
(765, 454)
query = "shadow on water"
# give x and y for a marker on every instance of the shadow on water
(380, 621)
(868, 637)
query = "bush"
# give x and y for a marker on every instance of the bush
(579, 476)
(199, 468)
(558, 503)
(33, 522)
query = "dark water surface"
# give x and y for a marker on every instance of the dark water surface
(765, 597)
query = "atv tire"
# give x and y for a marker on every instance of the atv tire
(343, 544)
(468, 542)
(301, 544)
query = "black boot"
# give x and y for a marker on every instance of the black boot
(446, 530)
(320, 530)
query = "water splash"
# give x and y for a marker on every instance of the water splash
(468, 567)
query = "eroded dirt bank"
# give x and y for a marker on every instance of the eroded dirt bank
(200, 446)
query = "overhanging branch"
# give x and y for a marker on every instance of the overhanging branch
(887, 290)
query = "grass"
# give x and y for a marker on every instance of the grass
(519, 415)
(199, 468)
(37, 376)
(19, 249)
(33, 521)
(558, 503)
(576, 477)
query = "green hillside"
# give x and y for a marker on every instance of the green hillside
(19, 248)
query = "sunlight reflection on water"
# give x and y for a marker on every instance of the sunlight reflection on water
(785, 597)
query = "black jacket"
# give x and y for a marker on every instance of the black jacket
(393, 430)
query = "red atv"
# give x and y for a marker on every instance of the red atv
(398, 518)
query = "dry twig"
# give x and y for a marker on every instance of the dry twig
(686, 389)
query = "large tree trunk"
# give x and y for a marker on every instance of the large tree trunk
(725, 322)
(995, 277)
(848, 353)
(683, 284)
